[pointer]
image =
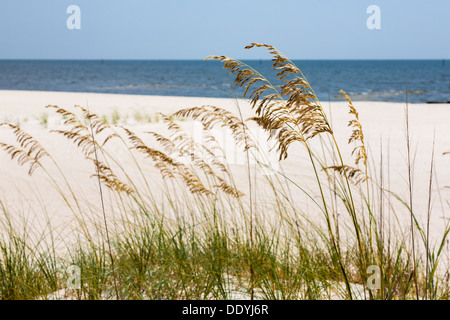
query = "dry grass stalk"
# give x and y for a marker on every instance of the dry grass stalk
(352, 173)
(294, 111)
(211, 116)
(107, 176)
(168, 167)
(182, 144)
(29, 152)
(79, 133)
(357, 134)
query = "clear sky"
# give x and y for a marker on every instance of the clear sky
(194, 29)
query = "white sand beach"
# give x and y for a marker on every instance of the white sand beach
(34, 198)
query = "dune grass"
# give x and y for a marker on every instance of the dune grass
(195, 232)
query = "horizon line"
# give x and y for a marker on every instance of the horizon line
(180, 59)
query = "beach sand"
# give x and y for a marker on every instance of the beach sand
(33, 199)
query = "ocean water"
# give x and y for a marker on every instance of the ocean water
(376, 80)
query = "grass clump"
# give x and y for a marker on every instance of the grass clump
(194, 232)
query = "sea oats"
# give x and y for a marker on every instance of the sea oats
(182, 144)
(211, 116)
(357, 134)
(353, 174)
(107, 176)
(80, 134)
(29, 152)
(168, 167)
(294, 110)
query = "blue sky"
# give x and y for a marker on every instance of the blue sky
(176, 29)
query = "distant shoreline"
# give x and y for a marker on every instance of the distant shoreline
(371, 80)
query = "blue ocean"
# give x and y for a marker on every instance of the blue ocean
(376, 80)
